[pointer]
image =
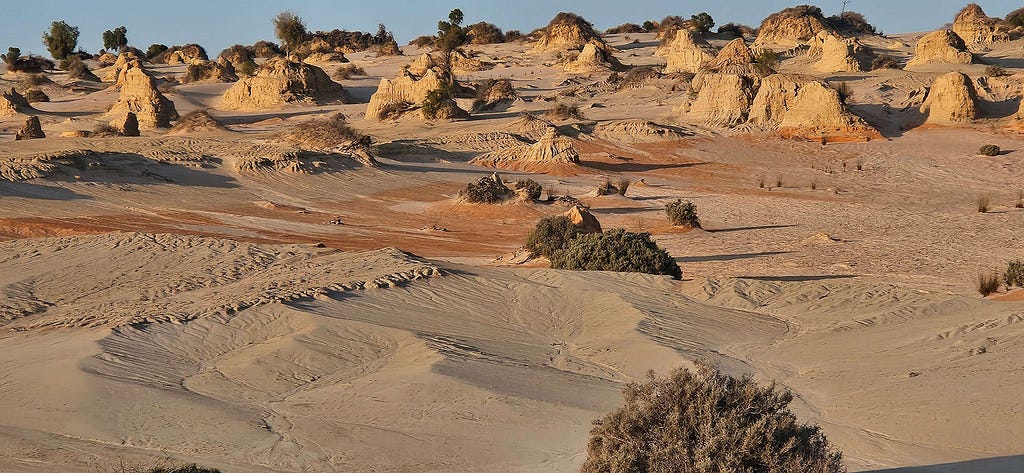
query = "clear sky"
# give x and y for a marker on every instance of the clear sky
(216, 24)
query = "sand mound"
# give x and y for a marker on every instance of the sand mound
(639, 131)
(951, 100)
(807, 110)
(529, 126)
(687, 52)
(734, 58)
(140, 96)
(31, 130)
(125, 61)
(581, 217)
(12, 103)
(592, 59)
(722, 99)
(395, 96)
(838, 54)
(552, 153)
(107, 59)
(209, 71)
(976, 29)
(199, 121)
(461, 63)
(279, 82)
(941, 47)
(181, 55)
(500, 93)
(568, 31)
(791, 27)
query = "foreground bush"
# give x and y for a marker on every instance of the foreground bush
(616, 250)
(488, 190)
(1014, 275)
(531, 187)
(551, 235)
(682, 214)
(989, 150)
(703, 421)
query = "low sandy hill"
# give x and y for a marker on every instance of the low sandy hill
(941, 47)
(791, 26)
(279, 82)
(568, 31)
(553, 153)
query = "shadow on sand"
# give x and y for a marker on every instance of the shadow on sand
(1008, 464)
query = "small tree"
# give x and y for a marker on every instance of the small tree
(115, 39)
(703, 22)
(450, 37)
(61, 40)
(649, 26)
(155, 50)
(704, 421)
(12, 55)
(290, 29)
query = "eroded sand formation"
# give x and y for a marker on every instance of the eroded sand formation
(280, 81)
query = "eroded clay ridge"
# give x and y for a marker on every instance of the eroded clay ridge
(131, 278)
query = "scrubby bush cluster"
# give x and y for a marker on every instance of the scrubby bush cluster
(353, 40)
(682, 214)
(488, 190)
(551, 235)
(564, 111)
(155, 50)
(531, 188)
(995, 71)
(885, 61)
(325, 133)
(989, 150)
(61, 39)
(31, 64)
(346, 71)
(988, 283)
(703, 421)
(484, 33)
(625, 28)
(851, 22)
(1014, 275)
(616, 250)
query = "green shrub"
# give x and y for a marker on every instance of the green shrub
(488, 190)
(616, 250)
(290, 29)
(155, 50)
(533, 188)
(61, 39)
(704, 421)
(1014, 275)
(551, 235)
(437, 100)
(988, 283)
(989, 150)
(682, 214)
(12, 56)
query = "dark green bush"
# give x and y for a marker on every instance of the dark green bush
(989, 150)
(488, 190)
(682, 214)
(704, 421)
(533, 188)
(1014, 275)
(155, 50)
(551, 235)
(616, 250)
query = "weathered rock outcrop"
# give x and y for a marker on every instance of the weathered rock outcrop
(951, 100)
(181, 55)
(791, 27)
(499, 94)
(837, 54)
(107, 59)
(725, 87)
(803, 108)
(12, 103)
(279, 82)
(31, 130)
(397, 95)
(125, 61)
(568, 31)
(592, 59)
(553, 153)
(687, 52)
(140, 96)
(734, 58)
(461, 63)
(639, 131)
(977, 30)
(941, 47)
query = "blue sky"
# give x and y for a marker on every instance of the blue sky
(216, 24)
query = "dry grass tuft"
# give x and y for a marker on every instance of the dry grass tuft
(988, 283)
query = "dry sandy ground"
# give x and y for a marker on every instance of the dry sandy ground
(158, 303)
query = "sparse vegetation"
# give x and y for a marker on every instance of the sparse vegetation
(702, 22)
(437, 100)
(290, 29)
(564, 111)
(995, 71)
(78, 70)
(552, 235)
(616, 250)
(484, 33)
(513, 35)
(327, 133)
(12, 56)
(736, 30)
(851, 22)
(1014, 275)
(531, 188)
(885, 61)
(346, 71)
(989, 150)
(844, 90)
(988, 283)
(983, 202)
(155, 50)
(423, 41)
(61, 40)
(623, 186)
(766, 60)
(706, 421)
(488, 190)
(625, 28)
(682, 214)
(35, 95)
